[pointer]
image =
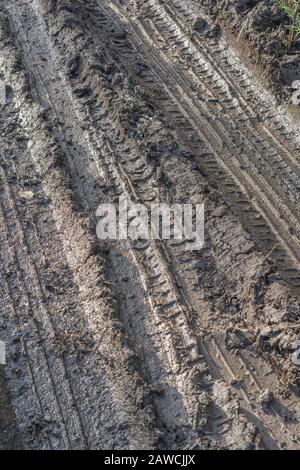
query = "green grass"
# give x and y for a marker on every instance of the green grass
(292, 9)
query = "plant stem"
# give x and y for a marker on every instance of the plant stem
(293, 27)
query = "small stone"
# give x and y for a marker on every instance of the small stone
(26, 194)
(266, 332)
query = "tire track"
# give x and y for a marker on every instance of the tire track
(105, 159)
(246, 181)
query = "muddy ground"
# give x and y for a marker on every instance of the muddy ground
(144, 344)
(259, 30)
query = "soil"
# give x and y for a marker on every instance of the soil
(260, 31)
(9, 439)
(142, 344)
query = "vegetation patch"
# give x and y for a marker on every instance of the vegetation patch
(292, 9)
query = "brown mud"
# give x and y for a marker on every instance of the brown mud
(259, 30)
(144, 344)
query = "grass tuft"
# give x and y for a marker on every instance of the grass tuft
(292, 9)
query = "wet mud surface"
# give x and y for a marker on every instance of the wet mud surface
(9, 439)
(144, 344)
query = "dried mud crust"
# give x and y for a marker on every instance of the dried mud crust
(260, 30)
(144, 344)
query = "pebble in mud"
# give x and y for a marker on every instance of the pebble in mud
(28, 195)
